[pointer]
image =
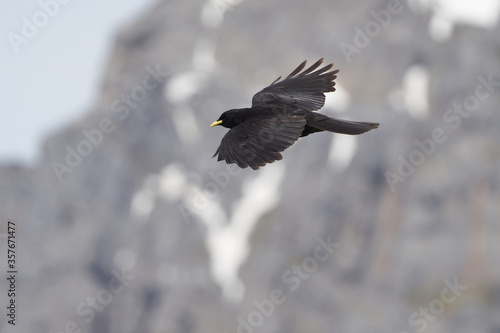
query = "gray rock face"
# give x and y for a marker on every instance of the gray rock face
(128, 225)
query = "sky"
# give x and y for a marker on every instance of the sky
(54, 53)
(51, 78)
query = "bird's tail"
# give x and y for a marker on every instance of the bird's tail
(342, 126)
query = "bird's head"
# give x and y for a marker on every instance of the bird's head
(229, 119)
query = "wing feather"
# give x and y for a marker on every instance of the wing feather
(298, 69)
(304, 90)
(259, 141)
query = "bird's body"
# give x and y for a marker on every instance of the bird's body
(280, 114)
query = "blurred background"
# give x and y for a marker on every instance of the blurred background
(125, 223)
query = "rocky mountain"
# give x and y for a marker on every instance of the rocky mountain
(128, 225)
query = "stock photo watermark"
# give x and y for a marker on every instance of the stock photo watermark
(11, 272)
(420, 320)
(372, 29)
(200, 197)
(292, 278)
(87, 309)
(31, 26)
(453, 118)
(121, 107)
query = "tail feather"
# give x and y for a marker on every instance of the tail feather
(341, 126)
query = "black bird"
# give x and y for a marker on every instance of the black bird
(280, 114)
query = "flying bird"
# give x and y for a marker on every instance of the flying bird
(280, 114)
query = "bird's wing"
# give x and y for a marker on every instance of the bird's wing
(256, 142)
(303, 90)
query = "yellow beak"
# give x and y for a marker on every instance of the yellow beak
(215, 123)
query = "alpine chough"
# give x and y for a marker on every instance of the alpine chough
(280, 114)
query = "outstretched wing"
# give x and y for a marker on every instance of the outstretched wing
(304, 90)
(256, 142)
